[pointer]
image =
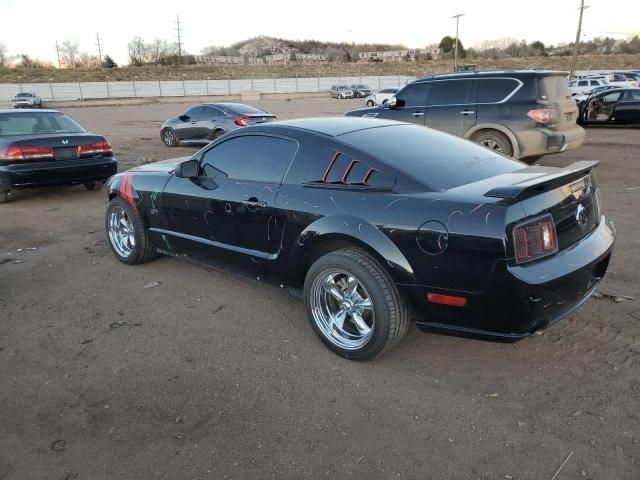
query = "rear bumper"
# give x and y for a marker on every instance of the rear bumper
(543, 141)
(522, 299)
(62, 172)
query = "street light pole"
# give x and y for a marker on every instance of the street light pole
(575, 47)
(455, 54)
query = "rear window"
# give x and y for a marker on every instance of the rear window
(438, 160)
(553, 88)
(23, 95)
(34, 123)
(493, 90)
(243, 109)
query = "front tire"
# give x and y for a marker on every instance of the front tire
(169, 137)
(495, 141)
(127, 235)
(354, 305)
(370, 103)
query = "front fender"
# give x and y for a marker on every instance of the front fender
(354, 230)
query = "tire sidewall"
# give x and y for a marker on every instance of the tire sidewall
(138, 227)
(382, 310)
(498, 137)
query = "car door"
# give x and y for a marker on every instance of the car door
(627, 110)
(186, 127)
(224, 215)
(451, 106)
(411, 104)
(600, 108)
(209, 119)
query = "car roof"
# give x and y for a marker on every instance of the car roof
(22, 111)
(226, 105)
(494, 73)
(330, 126)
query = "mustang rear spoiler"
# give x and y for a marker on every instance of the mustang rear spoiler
(547, 178)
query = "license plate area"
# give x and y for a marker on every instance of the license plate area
(66, 153)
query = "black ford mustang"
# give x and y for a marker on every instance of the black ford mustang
(381, 222)
(46, 147)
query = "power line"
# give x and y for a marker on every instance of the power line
(179, 39)
(577, 44)
(99, 47)
(455, 55)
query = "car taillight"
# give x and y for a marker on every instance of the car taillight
(98, 148)
(543, 115)
(242, 121)
(25, 153)
(535, 239)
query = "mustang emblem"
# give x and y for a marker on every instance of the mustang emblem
(581, 216)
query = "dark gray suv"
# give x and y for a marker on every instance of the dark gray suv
(523, 114)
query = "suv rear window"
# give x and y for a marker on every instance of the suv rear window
(435, 159)
(554, 87)
(493, 90)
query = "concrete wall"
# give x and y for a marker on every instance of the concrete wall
(95, 90)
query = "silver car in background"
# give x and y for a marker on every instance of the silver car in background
(341, 91)
(27, 100)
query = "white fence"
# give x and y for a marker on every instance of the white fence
(131, 89)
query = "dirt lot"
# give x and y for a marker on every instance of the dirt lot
(213, 376)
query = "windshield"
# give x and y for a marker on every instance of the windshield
(22, 95)
(33, 123)
(436, 159)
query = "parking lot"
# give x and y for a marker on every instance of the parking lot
(106, 374)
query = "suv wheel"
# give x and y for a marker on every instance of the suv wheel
(495, 141)
(354, 305)
(370, 103)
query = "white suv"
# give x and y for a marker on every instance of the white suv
(583, 85)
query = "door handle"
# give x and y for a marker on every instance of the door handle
(467, 112)
(418, 114)
(254, 202)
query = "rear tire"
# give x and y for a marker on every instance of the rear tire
(169, 137)
(370, 103)
(4, 197)
(372, 316)
(216, 134)
(495, 141)
(128, 237)
(91, 186)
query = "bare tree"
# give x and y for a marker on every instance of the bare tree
(69, 52)
(3, 55)
(158, 50)
(138, 52)
(88, 61)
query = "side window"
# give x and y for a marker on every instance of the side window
(493, 90)
(414, 94)
(583, 83)
(572, 83)
(633, 96)
(449, 92)
(611, 97)
(193, 112)
(211, 112)
(250, 157)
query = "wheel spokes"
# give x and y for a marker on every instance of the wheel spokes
(360, 324)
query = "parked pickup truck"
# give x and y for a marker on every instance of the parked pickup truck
(27, 100)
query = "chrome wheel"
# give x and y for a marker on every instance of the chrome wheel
(492, 144)
(121, 232)
(342, 309)
(169, 138)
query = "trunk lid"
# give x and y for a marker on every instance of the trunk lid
(570, 195)
(256, 118)
(64, 144)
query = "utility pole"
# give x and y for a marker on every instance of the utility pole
(99, 47)
(577, 44)
(58, 53)
(179, 39)
(455, 54)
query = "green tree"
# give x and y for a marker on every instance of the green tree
(447, 44)
(3, 55)
(108, 62)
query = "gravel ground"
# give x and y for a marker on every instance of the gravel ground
(208, 375)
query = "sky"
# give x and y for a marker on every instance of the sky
(410, 22)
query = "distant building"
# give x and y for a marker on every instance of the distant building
(399, 55)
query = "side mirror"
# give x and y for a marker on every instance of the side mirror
(188, 169)
(394, 103)
(184, 117)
